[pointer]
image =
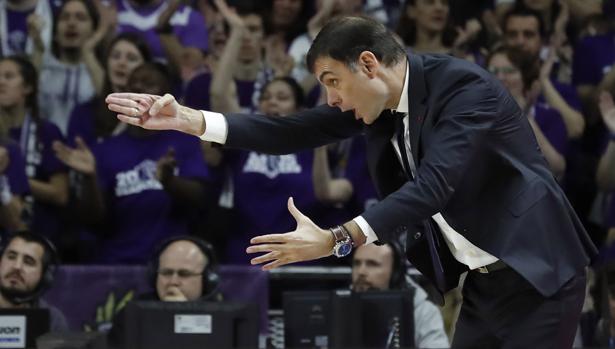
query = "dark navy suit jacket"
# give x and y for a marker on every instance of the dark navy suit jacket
(478, 163)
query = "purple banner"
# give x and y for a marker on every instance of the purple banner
(90, 295)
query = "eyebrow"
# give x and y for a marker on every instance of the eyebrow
(322, 75)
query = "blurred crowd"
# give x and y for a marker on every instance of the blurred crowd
(106, 193)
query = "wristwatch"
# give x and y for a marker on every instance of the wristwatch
(343, 241)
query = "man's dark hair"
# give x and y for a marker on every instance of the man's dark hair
(522, 11)
(50, 255)
(344, 39)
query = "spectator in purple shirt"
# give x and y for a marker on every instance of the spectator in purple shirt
(48, 178)
(524, 29)
(15, 18)
(517, 71)
(156, 176)
(175, 32)
(70, 72)
(92, 121)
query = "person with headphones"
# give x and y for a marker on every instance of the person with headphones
(28, 262)
(383, 268)
(184, 268)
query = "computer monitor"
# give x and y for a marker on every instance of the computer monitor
(306, 319)
(190, 325)
(345, 319)
(19, 328)
(372, 319)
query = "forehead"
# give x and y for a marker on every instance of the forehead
(74, 6)
(522, 23)
(325, 65)
(8, 64)
(499, 59)
(373, 252)
(124, 45)
(21, 246)
(182, 253)
(278, 86)
(252, 19)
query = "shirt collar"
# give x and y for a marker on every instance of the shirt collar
(402, 107)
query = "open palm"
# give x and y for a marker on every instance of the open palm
(607, 109)
(79, 158)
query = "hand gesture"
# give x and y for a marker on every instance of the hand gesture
(5, 160)
(547, 65)
(35, 24)
(275, 54)
(165, 167)
(173, 294)
(79, 159)
(148, 111)
(467, 33)
(607, 109)
(230, 15)
(305, 243)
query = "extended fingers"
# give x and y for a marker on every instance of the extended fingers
(271, 238)
(273, 255)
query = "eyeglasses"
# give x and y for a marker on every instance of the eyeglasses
(181, 273)
(503, 70)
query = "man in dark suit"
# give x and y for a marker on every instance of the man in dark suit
(456, 165)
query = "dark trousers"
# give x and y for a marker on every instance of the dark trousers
(502, 310)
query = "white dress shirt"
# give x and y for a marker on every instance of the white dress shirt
(462, 249)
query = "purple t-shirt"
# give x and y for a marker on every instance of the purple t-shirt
(14, 35)
(593, 58)
(552, 126)
(81, 123)
(350, 162)
(35, 141)
(17, 30)
(140, 213)
(14, 178)
(196, 93)
(262, 184)
(188, 25)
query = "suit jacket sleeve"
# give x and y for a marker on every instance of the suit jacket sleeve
(292, 133)
(468, 109)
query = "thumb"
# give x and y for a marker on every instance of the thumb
(167, 99)
(294, 211)
(81, 143)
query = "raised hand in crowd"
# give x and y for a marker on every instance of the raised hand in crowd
(465, 35)
(79, 158)
(277, 58)
(166, 165)
(604, 174)
(35, 24)
(4, 159)
(607, 110)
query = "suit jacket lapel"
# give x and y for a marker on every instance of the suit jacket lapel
(417, 94)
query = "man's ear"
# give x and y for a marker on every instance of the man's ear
(368, 63)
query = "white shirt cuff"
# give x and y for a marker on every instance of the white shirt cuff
(216, 128)
(369, 233)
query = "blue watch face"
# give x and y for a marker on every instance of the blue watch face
(344, 249)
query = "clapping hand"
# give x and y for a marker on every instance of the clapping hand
(607, 110)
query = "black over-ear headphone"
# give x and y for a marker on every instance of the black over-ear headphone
(50, 262)
(398, 274)
(210, 276)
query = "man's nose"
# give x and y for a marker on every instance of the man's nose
(333, 99)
